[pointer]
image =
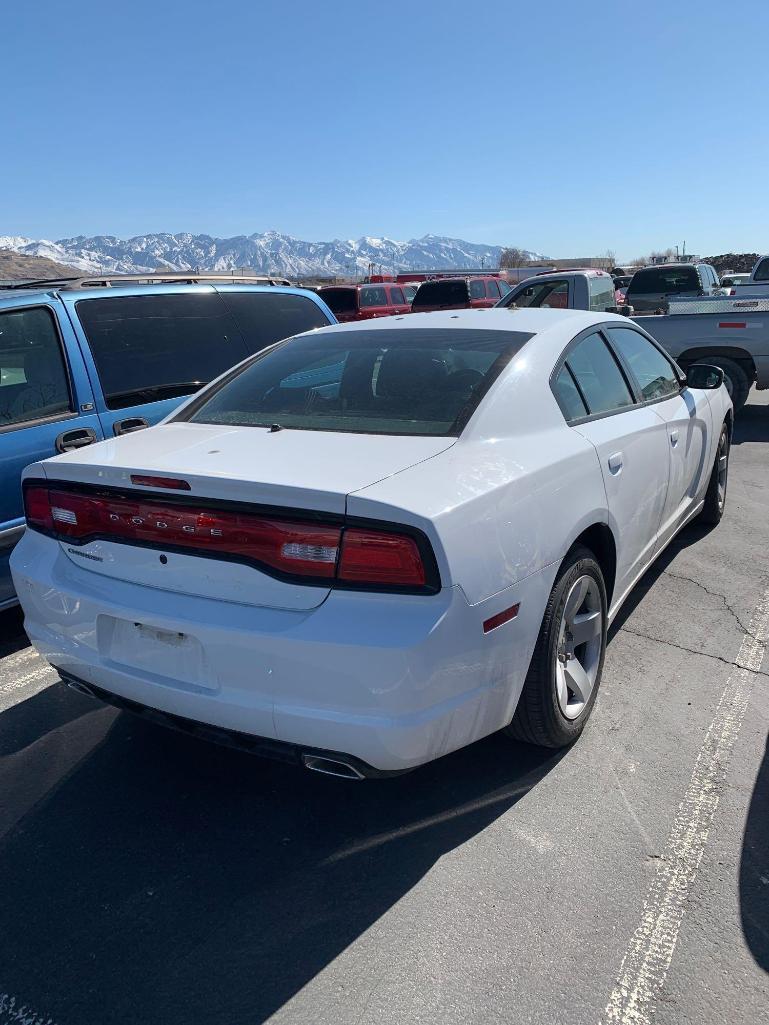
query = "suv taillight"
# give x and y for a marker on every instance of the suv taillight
(314, 551)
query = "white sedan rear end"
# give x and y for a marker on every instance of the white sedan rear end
(375, 543)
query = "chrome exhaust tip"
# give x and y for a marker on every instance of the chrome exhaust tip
(331, 767)
(80, 687)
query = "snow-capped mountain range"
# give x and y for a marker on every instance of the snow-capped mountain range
(266, 252)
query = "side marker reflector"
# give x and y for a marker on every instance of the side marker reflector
(501, 618)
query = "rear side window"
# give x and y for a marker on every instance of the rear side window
(653, 371)
(33, 376)
(664, 280)
(477, 289)
(373, 297)
(567, 395)
(340, 300)
(598, 376)
(601, 291)
(414, 382)
(441, 293)
(396, 297)
(267, 317)
(762, 270)
(150, 347)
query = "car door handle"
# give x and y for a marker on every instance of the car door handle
(674, 438)
(129, 425)
(615, 463)
(78, 438)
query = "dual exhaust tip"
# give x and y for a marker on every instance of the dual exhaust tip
(315, 763)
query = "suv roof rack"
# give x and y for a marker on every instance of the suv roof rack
(159, 278)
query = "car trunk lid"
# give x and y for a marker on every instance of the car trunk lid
(169, 477)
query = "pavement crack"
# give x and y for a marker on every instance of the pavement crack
(713, 594)
(693, 651)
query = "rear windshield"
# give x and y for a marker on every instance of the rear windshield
(762, 271)
(340, 300)
(441, 293)
(151, 347)
(373, 382)
(664, 280)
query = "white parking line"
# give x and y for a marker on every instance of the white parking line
(650, 952)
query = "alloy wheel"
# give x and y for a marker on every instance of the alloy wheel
(580, 641)
(723, 469)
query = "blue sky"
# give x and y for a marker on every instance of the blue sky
(566, 128)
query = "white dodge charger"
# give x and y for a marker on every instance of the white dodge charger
(375, 543)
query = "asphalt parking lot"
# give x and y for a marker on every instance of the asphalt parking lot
(149, 877)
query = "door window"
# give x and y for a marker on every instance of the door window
(492, 290)
(396, 297)
(654, 372)
(504, 288)
(477, 291)
(373, 297)
(547, 294)
(33, 376)
(598, 376)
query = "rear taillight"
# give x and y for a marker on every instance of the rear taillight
(351, 557)
(370, 556)
(37, 508)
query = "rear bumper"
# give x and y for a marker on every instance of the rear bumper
(390, 680)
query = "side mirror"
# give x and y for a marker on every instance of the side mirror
(702, 375)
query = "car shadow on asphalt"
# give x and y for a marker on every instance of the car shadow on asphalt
(754, 869)
(161, 878)
(751, 424)
(12, 636)
(690, 535)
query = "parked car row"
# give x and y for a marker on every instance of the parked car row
(385, 299)
(730, 332)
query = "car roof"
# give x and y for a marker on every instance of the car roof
(670, 266)
(33, 295)
(498, 318)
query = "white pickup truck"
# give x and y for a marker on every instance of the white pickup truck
(730, 331)
(758, 282)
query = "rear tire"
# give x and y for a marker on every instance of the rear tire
(565, 672)
(715, 496)
(736, 380)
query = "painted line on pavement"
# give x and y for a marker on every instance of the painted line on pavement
(650, 952)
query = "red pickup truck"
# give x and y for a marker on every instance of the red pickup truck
(362, 302)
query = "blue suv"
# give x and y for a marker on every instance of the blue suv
(84, 360)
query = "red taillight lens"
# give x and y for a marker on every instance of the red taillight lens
(37, 508)
(375, 557)
(297, 549)
(318, 551)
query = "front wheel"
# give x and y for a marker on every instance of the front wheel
(565, 671)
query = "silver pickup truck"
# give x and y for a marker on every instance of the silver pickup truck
(757, 284)
(730, 331)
